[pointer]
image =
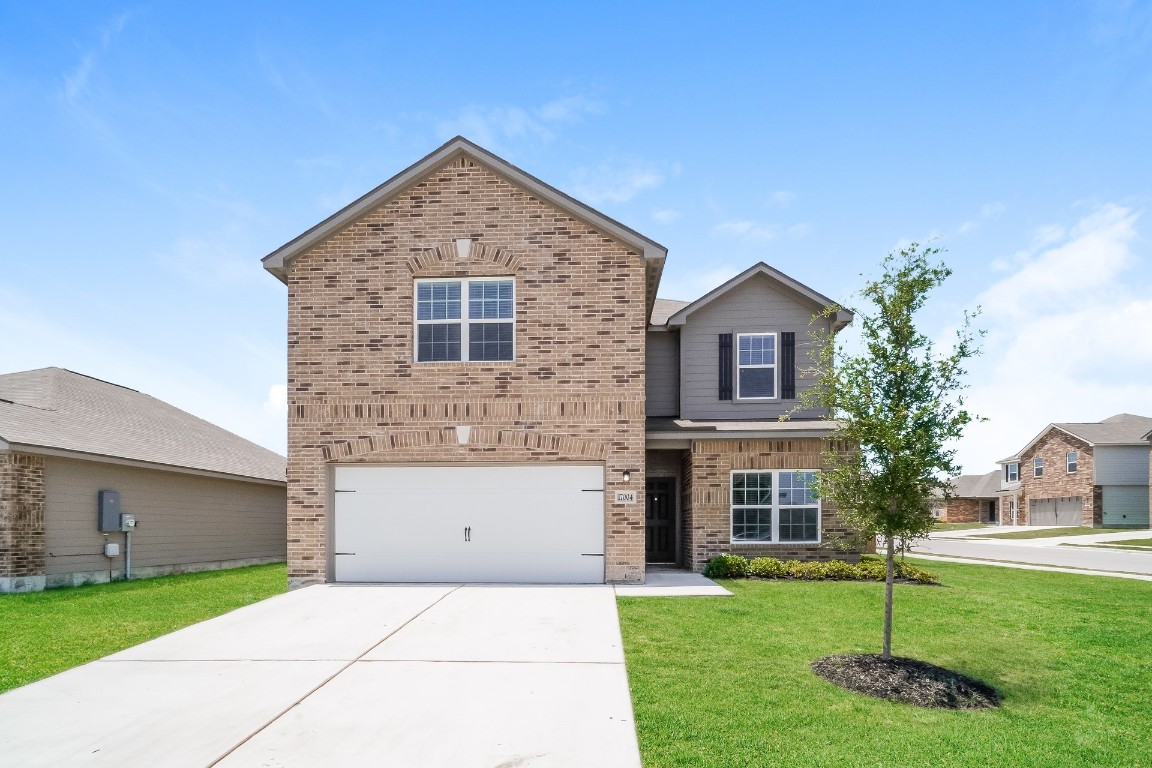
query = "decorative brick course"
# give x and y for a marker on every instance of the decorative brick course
(21, 516)
(575, 391)
(707, 514)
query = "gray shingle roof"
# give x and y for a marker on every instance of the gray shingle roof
(662, 309)
(977, 486)
(1121, 429)
(54, 408)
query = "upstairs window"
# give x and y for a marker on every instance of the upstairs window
(1073, 461)
(465, 320)
(1038, 466)
(756, 366)
(1012, 473)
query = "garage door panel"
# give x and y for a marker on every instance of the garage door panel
(540, 523)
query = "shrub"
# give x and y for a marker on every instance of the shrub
(840, 571)
(871, 570)
(918, 575)
(726, 567)
(766, 568)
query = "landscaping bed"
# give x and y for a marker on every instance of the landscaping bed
(870, 568)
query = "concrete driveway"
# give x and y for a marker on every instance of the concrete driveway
(347, 675)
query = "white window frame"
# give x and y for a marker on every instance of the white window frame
(464, 321)
(775, 365)
(1038, 466)
(776, 507)
(1012, 472)
(1073, 461)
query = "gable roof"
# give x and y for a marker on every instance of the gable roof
(1121, 429)
(818, 300)
(60, 412)
(985, 486)
(654, 254)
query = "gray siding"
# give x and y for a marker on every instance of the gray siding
(662, 374)
(1121, 465)
(183, 519)
(757, 306)
(1126, 505)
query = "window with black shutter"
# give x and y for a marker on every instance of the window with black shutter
(788, 365)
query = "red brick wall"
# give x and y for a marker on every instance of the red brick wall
(574, 392)
(958, 510)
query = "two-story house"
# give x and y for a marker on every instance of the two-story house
(1080, 474)
(483, 386)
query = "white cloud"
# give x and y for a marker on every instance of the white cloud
(690, 284)
(277, 402)
(781, 199)
(745, 229)
(987, 212)
(76, 82)
(212, 260)
(666, 216)
(615, 182)
(1068, 335)
(490, 125)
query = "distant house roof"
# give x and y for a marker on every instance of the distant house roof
(977, 486)
(56, 411)
(817, 301)
(1121, 429)
(654, 254)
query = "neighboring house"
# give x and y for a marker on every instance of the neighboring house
(202, 497)
(1080, 474)
(974, 499)
(482, 386)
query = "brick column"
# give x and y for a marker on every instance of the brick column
(21, 522)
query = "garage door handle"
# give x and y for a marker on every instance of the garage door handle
(591, 554)
(468, 534)
(343, 553)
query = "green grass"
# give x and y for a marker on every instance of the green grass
(726, 682)
(42, 633)
(941, 527)
(1142, 543)
(1048, 533)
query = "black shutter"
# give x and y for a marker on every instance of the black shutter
(725, 366)
(788, 365)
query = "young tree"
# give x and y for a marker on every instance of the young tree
(898, 405)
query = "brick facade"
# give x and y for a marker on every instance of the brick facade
(574, 392)
(958, 510)
(1056, 481)
(21, 521)
(707, 514)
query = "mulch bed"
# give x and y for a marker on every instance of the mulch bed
(907, 680)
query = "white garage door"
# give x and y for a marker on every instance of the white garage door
(542, 523)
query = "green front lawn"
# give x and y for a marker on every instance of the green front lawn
(944, 527)
(42, 633)
(1048, 533)
(726, 682)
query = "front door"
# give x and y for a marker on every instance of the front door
(660, 526)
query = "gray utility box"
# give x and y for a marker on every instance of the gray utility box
(108, 511)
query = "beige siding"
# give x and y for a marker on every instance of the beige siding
(183, 519)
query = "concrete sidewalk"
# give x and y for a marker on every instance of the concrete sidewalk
(347, 675)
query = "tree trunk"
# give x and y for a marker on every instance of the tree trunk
(888, 576)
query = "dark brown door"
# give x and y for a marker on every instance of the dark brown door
(660, 529)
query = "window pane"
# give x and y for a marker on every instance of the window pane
(437, 343)
(796, 488)
(757, 382)
(799, 524)
(757, 349)
(490, 300)
(438, 301)
(490, 341)
(752, 524)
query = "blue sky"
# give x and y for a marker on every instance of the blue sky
(152, 153)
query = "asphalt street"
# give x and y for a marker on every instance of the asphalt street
(1040, 552)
